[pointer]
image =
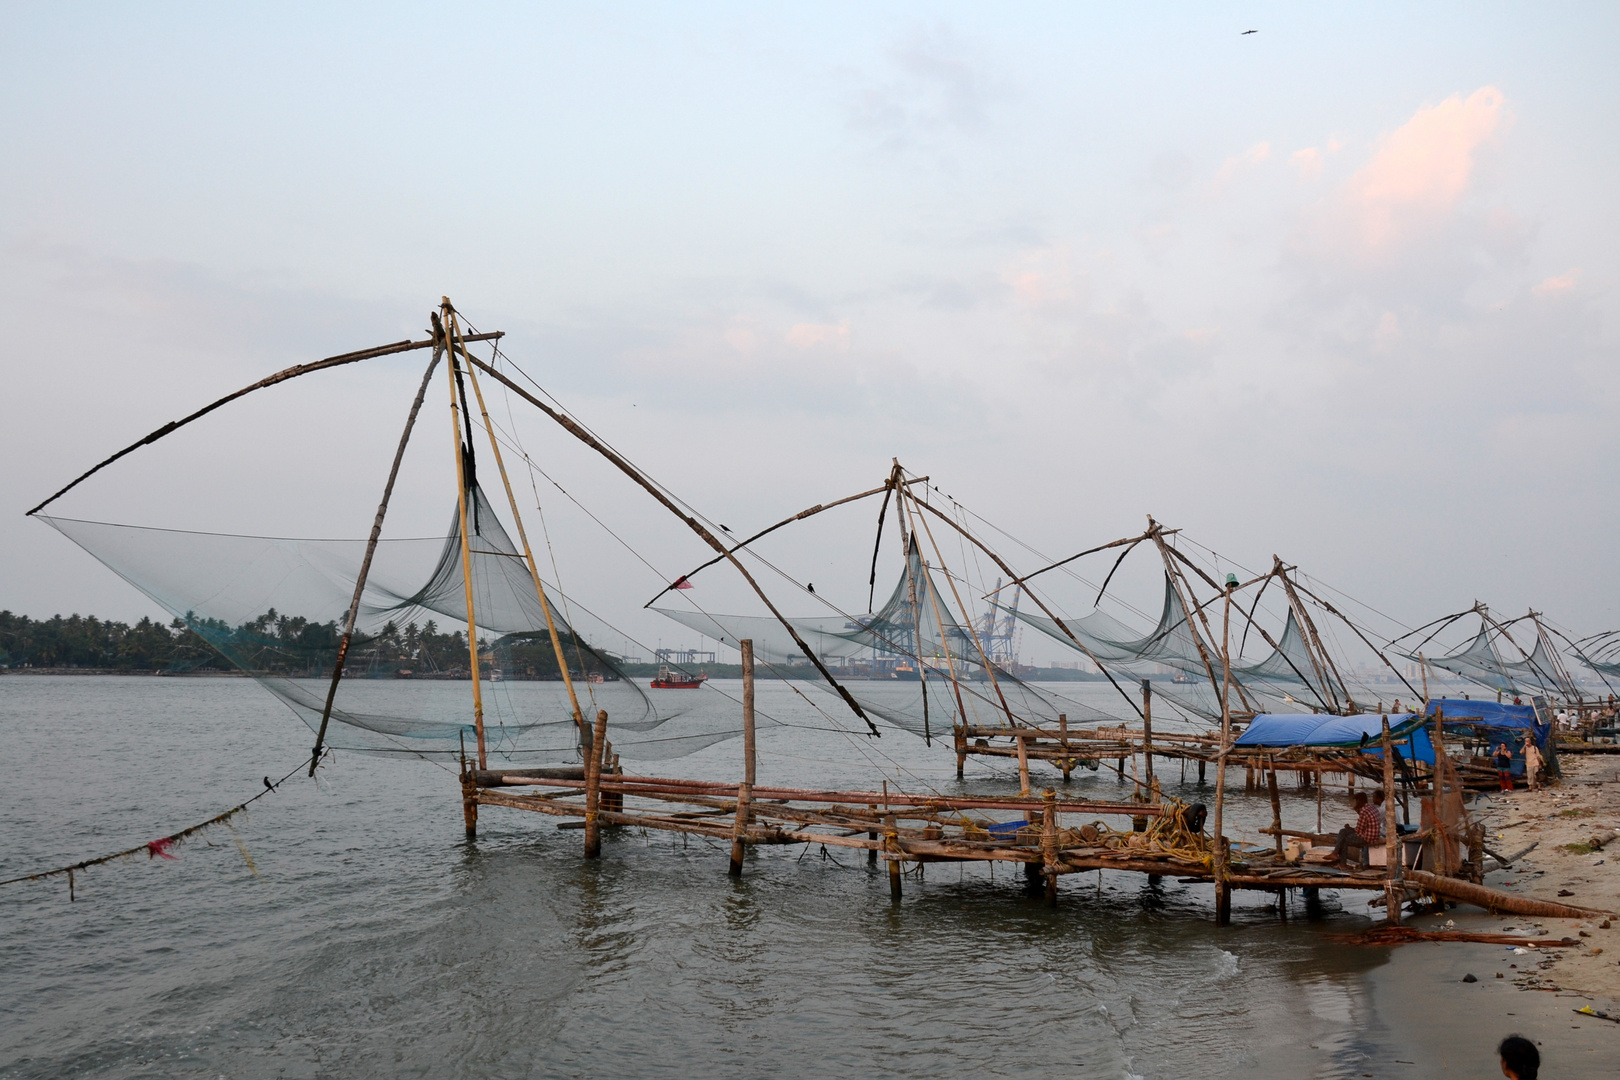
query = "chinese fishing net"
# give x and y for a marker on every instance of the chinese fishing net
(929, 665)
(1482, 661)
(275, 607)
(1287, 679)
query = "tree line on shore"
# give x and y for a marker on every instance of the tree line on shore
(274, 643)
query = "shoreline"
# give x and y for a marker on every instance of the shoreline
(1422, 1019)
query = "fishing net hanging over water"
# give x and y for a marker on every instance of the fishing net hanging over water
(275, 608)
(1287, 673)
(927, 671)
(1481, 661)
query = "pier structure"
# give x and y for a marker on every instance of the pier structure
(1051, 836)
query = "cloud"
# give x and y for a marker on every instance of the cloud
(1423, 169)
(934, 86)
(809, 335)
(1237, 163)
(1308, 161)
(1553, 286)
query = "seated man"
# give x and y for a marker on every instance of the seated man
(1368, 831)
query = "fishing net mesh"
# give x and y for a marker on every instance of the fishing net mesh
(275, 608)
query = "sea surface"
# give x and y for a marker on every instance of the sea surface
(370, 938)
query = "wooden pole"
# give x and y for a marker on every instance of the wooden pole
(1049, 845)
(1442, 835)
(593, 787)
(1276, 807)
(279, 377)
(891, 845)
(1392, 857)
(745, 790)
(1223, 890)
(365, 562)
(466, 549)
(1023, 768)
(1063, 743)
(523, 536)
(1147, 728)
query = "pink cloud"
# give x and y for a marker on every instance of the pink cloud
(1308, 161)
(1423, 169)
(807, 335)
(1554, 285)
(1237, 163)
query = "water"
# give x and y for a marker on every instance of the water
(374, 941)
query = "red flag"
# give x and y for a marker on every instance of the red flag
(160, 849)
(682, 583)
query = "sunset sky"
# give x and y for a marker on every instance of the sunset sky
(1343, 289)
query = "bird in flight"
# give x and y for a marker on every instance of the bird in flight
(1246, 33)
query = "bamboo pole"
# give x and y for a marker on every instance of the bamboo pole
(1023, 768)
(1442, 835)
(1392, 856)
(1276, 807)
(569, 425)
(365, 562)
(593, 788)
(891, 846)
(279, 377)
(466, 547)
(1049, 844)
(973, 634)
(1063, 745)
(745, 790)
(523, 536)
(1147, 728)
(1223, 892)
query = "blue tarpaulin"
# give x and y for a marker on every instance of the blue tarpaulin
(1506, 723)
(1311, 729)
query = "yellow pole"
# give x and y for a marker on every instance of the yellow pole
(528, 553)
(466, 550)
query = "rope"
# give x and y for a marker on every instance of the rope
(160, 847)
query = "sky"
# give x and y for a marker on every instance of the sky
(1343, 289)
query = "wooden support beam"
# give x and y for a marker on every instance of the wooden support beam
(745, 790)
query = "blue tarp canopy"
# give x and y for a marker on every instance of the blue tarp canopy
(1311, 729)
(1512, 720)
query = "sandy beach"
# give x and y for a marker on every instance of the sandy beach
(1424, 1019)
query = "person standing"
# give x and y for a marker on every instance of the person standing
(1504, 766)
(1532, 760)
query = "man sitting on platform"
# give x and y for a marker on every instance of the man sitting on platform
(1368, 831)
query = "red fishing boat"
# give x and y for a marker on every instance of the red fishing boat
(672, 680)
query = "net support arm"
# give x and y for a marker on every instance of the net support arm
(279, 377)
(1061, 625)
(569, 425)
(800, 516)
(365, 563)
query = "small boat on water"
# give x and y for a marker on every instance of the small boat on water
(671, 680)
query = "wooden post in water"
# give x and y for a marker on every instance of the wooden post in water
(1023, 767)
(745, 790)
(1063, 743)
(1049, 844)
(593, 787)
(469, 802)
(871, 853)
(891, 844)
(1276, 809)
(1147, 729)
(1392, 847)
